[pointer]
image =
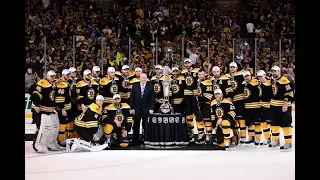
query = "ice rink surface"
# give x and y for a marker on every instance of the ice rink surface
(240, 163)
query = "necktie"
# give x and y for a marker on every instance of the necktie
(142, 89)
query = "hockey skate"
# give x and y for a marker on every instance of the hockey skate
(274, 144)
(257, 143)
(53, 147)
(265, 142)
(242, 141)
(208, 140)
(250, 141)
(286, 148)
(200, 140)
(191, 138)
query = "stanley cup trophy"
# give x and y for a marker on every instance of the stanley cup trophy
(166, 107)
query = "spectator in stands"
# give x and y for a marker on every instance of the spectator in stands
(29, 79)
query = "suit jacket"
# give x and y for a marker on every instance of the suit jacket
(137, 102)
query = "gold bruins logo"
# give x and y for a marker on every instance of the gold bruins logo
(246, 93)
(189, 80)
(114, 89)
(234, 84)
(216, 86)
(119, 117)
(175, 88)
(274, 89)
(260, 91)
(51, 95)
(125, 84)
(219, 112)
(156, 88)
(91, 94)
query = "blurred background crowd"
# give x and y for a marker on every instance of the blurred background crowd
(60, 34)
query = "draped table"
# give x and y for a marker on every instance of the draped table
(166, 131)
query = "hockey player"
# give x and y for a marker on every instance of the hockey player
(236, 79)
(223, 118)
(156, 81)
(109, 86)
(87, 90)
(118, 122)
(125, 87)
(63, 105)
(44, 103)
(177, 86)
(190, 91)
(280, 107)
(87, 125)
(252, 108)
(96, 73)
(265, 92)
(74, 112)
(136, 77)
(203, 114)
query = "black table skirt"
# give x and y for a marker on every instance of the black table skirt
(166, 131)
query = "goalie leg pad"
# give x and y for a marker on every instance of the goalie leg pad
(54, 131)
(43, 136)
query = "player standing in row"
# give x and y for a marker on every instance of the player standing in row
(117, 122)
(87, 89)
(125, 86)
(74, 112)
(156, 81)
(109, 86)
(223, 118)
(203, 114)
(86, 125)
(280, 106)
(221, 82)
(63, 105)
(252, 108)
(236, 79)
(43, 98)
(190, 91)
(265, 93)
(96, 73)
(178, 85)
(136, 76)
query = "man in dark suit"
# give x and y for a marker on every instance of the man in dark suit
(142, 104)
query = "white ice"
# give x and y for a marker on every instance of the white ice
(240, 163)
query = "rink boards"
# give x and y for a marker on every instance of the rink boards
(30, 128)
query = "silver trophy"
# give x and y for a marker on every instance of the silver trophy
(166, 107)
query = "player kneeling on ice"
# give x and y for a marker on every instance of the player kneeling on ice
(117, 122)
(87, 126)
(222, 115)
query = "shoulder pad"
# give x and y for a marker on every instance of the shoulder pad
(225, 77)
(254, 81)
(206, 82)
(147, 79)
(244, 82)
(213, 102)
(164, 78)
(81, 83)
(131, 73)
(110, 107)
(95, 108)
(118, 73)
(240, 73)
(62, 84)
(195, 70)
(267, 83)
(116, 78)
(226, 101)
(104, 81)
(134, 80)
(44, 83)
(284, 80)
(153, 78)
(125, 106)
(180, 77)
(184, 70)
(94, 82)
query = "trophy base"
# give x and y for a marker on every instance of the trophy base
(166, 109)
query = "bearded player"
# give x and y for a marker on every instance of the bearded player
(280, 106)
